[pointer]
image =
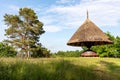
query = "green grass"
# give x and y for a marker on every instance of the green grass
(60, 69)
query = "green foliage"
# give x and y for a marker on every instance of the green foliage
(68, 53)
(6, 50)
(117, 44)
(105, 50)
(111, 50)
(23, 30)
(41, 52)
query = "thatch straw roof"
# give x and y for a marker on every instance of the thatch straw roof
(89, 34)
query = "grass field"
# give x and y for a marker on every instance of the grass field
(60, 69)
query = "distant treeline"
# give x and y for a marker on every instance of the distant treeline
(67, 53)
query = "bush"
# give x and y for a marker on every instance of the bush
(7, 51)
(41, 52)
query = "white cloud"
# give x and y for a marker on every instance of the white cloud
(47, 20)
(50, 28)
(49, 24)
(102, 12)
(65, 1)
(14, 7)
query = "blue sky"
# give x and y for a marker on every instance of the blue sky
(62, 18)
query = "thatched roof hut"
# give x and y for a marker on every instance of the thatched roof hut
(88, 34)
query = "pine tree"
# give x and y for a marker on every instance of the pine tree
(23, 31)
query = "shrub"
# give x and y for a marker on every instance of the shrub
(7, 51)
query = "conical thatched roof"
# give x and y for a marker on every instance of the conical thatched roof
(89, 34)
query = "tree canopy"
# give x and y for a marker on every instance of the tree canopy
(24, 31)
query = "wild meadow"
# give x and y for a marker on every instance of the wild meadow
(82, 68)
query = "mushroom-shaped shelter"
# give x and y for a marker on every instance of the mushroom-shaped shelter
(88, 34)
